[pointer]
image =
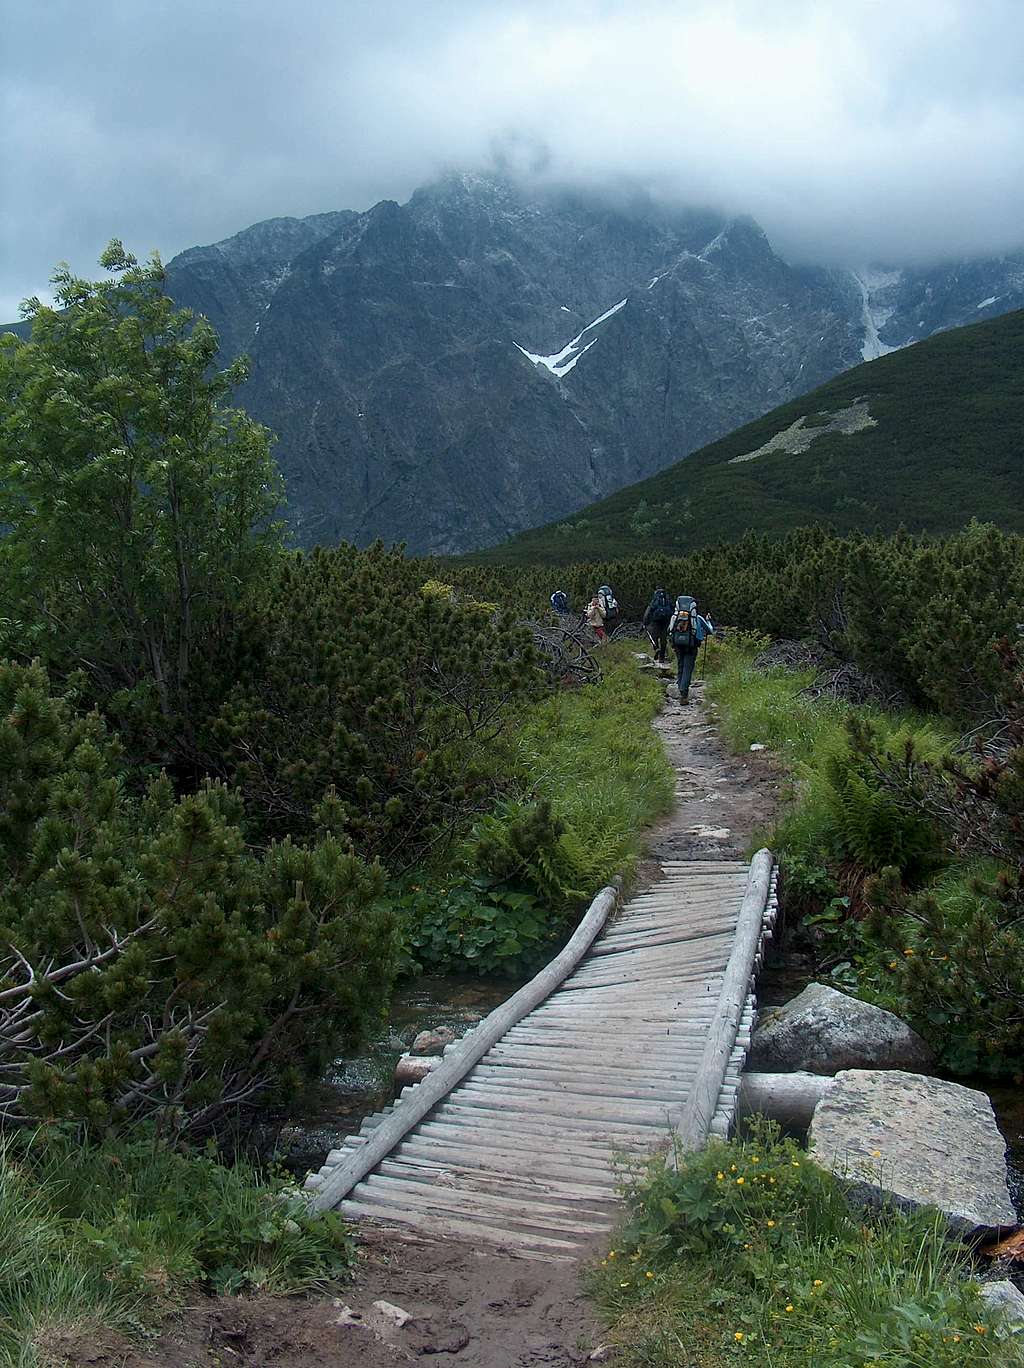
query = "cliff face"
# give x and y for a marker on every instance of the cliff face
(481, 360)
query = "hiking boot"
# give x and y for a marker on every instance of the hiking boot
(684, 698)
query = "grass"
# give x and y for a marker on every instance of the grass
(748, 1253)
(593, 754)
(581, 774)
(116, 1234)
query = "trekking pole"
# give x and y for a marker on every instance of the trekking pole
(704, 657)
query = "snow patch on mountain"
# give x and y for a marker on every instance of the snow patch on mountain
(870, 284)
(562, 362)
(986, 302)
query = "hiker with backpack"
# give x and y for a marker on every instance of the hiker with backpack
(610, 608)
(560, 603)
(595, 617)
(657, 616)
(686, 630)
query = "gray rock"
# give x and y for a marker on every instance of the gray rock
(1003, 1296)
(822, 1031)
(917, 1141)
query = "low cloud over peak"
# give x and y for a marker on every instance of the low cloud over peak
(851, 133)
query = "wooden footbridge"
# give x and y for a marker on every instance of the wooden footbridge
(634, 1036)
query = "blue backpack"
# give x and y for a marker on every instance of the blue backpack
(661, 606)
(560, 602)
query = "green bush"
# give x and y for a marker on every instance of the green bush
(747, 1252)
(920, 612)
(156, 966)
(350, 683)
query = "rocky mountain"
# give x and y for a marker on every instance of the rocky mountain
(927, 437)
(487, 358)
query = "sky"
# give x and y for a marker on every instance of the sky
(854, 131)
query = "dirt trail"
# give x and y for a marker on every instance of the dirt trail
(468, 1307)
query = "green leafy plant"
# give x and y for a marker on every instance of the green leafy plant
(748, 1252)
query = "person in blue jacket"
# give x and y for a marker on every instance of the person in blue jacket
(686, 630)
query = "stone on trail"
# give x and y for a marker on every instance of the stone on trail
(917, 1141)
(823, 1031)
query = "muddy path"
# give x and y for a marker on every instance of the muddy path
(452, 1303)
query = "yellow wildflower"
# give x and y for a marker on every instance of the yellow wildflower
(894, 964)
(876, 1154)
(908, 952)
(771, 1225)
(980, 1329)
(648, 1274)
(755, 1160)
(740, 1182)
(818, 1282)
(738, 1336)
(720, 1176)
(789, 1307)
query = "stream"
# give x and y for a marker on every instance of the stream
(364, 1083)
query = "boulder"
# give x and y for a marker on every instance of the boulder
(414, 1068)
(433, 1042)
(916, 1141)
(1002, 1296)
(822, 1031)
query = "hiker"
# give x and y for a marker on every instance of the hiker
(657, 616)
(686, 630)
(610, 608)
(560, 602)
(595, 616)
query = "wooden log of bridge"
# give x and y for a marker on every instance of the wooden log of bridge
(632, 1038)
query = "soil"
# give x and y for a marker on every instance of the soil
(467, 1306)
(723, 801)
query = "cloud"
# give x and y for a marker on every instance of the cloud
(867, 131)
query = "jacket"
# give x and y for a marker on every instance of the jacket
(595, 614)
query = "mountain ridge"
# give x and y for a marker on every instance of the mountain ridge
(927, 438)
(403, 354)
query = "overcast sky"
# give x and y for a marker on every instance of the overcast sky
(853, 130)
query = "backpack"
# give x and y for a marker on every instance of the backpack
(661, 607)
(683, 627)
(609, 604)
(560, 602)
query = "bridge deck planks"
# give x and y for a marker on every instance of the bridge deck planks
(526, 1151)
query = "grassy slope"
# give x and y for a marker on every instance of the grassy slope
(947, 447)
